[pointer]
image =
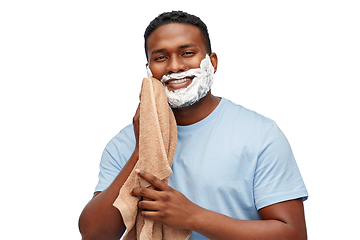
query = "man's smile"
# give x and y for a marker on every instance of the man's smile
(174, 84)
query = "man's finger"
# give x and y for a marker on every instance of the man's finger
(154, 181)
(144, 192)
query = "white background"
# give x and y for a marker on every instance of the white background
(71, 72)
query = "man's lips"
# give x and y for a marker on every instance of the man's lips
(174, 84)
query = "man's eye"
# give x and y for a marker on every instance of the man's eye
(160, 58)
(188, 54)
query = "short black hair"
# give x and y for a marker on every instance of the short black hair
(178, 17)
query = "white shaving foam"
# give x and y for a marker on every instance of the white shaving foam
(198, 88)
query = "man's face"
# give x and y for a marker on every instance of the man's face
(174, 48)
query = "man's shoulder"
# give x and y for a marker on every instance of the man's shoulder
(245, 114)
(125, 136)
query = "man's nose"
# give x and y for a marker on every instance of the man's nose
(175, 64)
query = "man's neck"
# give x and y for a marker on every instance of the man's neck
(196, 112)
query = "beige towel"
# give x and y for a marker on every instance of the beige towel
(157, 145)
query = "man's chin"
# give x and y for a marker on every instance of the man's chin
(188, 103)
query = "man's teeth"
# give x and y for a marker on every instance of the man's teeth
(179, 80)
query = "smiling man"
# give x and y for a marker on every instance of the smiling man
(234, 174)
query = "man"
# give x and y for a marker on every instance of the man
(231, 166)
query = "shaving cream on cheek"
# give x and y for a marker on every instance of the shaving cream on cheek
(198, 88)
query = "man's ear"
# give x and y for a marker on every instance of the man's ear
(214, 61)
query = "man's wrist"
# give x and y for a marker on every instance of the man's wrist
(198, 219)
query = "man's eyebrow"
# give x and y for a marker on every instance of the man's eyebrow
(158, 51)
(181, 47)
(187, 45)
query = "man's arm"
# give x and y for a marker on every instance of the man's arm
(283, 220)
(100, 219)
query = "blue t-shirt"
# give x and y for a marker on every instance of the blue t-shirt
(233, 162)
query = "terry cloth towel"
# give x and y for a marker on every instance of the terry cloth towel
(157, 145)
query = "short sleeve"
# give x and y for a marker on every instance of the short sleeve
(115, 156)
(277, 176)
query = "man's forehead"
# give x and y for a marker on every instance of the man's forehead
(174, 35)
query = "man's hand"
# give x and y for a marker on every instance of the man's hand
(165, 204)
